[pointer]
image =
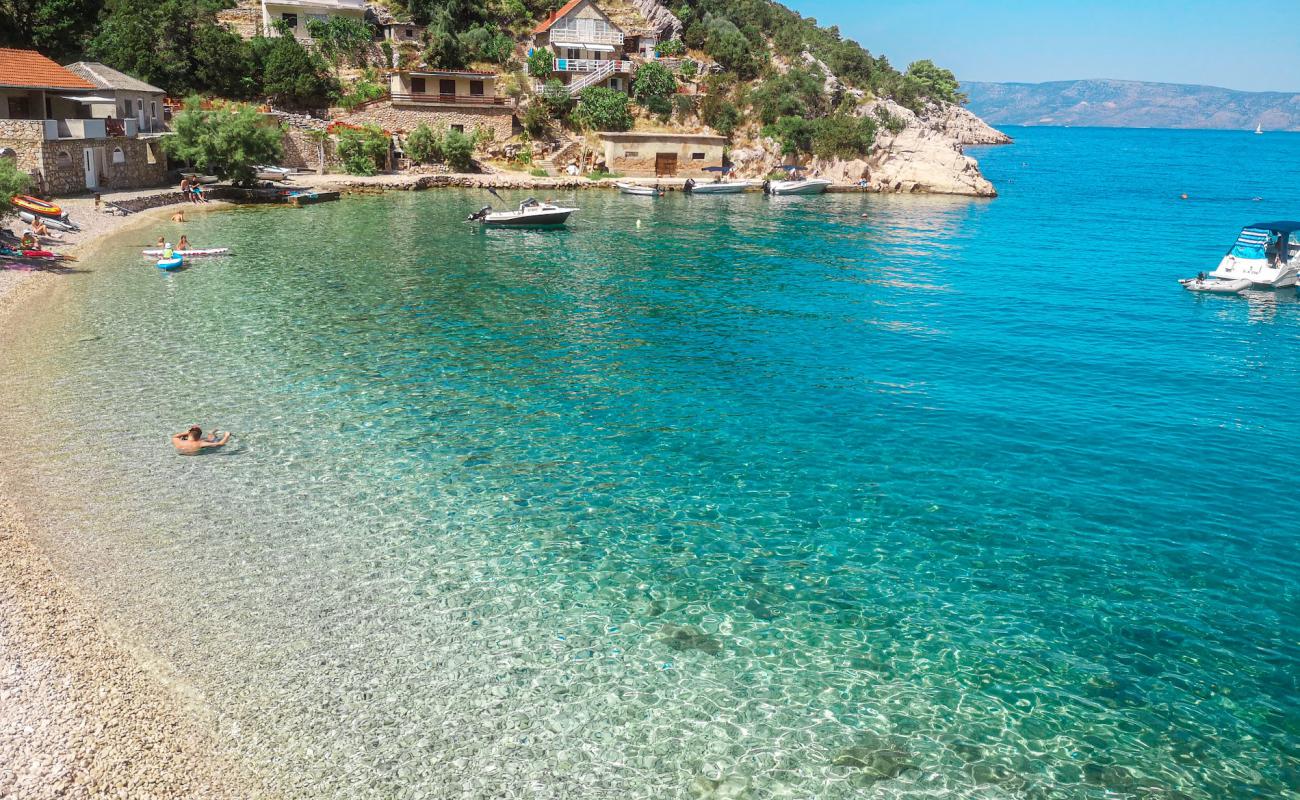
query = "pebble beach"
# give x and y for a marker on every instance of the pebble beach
(83, 714)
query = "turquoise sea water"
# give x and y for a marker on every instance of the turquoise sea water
(758, 498)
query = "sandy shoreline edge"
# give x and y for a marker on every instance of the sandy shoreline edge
(81, 714)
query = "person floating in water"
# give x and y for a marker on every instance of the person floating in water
(192, 441)
(184, 243)
(162, 242)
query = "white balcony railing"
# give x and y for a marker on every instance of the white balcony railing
(572, 36)
(591, 65)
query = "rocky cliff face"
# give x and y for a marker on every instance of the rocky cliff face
(925, 156)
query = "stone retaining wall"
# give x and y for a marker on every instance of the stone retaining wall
(499, 120)
(301, 152)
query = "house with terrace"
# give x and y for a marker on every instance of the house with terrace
(295, 14)
(131, 98)
(68, 132)
(588, 48)
(465, 100)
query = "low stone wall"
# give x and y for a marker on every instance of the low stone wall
(148, 201)
(301, 152)
(404, 119)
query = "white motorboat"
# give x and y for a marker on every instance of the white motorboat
(639, 191)
(1266, 254)
(804, 186)
(717, 187)
(530, 214)
(1203, 283)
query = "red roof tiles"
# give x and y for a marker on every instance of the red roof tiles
(28, 69)
(545, 25)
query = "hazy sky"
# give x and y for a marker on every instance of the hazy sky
(1240, 44)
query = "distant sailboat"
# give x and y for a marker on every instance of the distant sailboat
(1258, 129)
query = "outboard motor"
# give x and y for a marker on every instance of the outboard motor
(480, 214)
(767, 187)
(689, 185)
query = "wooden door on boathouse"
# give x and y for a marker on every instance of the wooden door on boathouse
(665, 164)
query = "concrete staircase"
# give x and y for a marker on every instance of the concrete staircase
(592, 78)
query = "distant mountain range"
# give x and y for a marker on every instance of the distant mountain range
(1132, 104)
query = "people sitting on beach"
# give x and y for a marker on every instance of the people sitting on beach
(198, 194)
(29, 241)
(179, 216)
(184, 243)
(192, 442)
(39, 228)
(185, 190)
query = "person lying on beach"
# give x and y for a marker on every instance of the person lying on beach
(192, 442)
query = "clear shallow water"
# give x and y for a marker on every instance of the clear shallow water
(761, 499)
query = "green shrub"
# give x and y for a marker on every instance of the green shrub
(891, 122)
(798, 93)
(363, 150)
(689, 70)
(719, 114)
(684, 106)
(423, 145)
(670, 48)
(536, 120)
(363, 91)
(795, 134)
(295, 78)
(12, 182)
(653, 87)
(556, 99)
(843, 136)
(458, 151)
(539, 173)
(603, 109)
(386, 48)
(601, 175)
(540, 62)
(486, 43)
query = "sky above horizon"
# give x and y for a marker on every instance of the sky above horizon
(1193, 41)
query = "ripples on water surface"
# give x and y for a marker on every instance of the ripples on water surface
(759, 499)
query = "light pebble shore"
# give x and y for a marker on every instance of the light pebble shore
(83, 714)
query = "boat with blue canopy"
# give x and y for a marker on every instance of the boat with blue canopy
(1265, 254)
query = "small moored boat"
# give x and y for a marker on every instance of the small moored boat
(640, 191)
(1202, 283)
(804, 186)
(277, 174)
(171, 263)
(717, 187)
(531, 213)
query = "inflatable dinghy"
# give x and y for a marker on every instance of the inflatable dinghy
(1215, 285)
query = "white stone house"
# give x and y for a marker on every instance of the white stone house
(64, 131)
(588, 49)
(131, 98)
(297, 13)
